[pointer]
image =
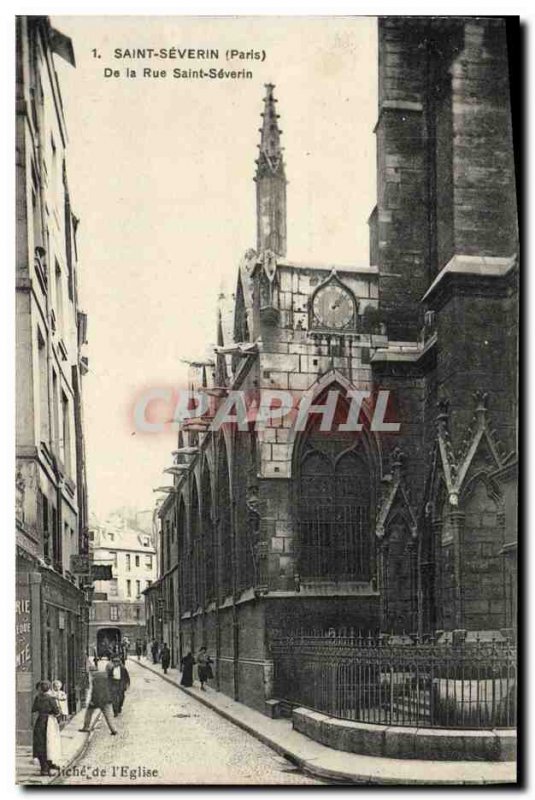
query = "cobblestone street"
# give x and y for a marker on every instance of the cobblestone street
(162, 729)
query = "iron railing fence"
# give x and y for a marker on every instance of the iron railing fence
(392, 680)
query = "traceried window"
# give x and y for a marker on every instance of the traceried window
(183, 558)
(225, 531)
(334, 508)
(196, 554)
(400, 593)
(207, 533)
(246, 496)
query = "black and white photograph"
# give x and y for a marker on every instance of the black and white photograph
(266, 357)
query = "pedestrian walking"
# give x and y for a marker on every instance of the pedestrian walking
(99, 697)
(119, 682)
(154, 650)
(187, 669)
(204, 667)
(165, 658)
(139, 649)
(46, 736)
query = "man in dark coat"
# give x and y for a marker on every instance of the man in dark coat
(100, 697)
(119, 682)
(204, 667)
(165, 657)
(154, 650)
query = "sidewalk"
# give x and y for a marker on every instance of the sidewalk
(336, 765)
(73, 744)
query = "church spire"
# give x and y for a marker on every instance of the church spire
(270, 182)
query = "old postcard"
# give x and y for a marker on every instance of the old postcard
(266, 440)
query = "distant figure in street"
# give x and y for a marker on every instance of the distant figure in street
(125, 646)
(119, 682)
(165, 658)
(61, 697)
(187, 669)
(154, 650)
(139, 649)
(46, 737)
(95, 657)
(100, 697)
(204, 667)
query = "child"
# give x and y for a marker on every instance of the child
(61, 697)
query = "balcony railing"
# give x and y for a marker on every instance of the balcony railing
(399, 681)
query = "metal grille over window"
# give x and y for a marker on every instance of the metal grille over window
(334, 510)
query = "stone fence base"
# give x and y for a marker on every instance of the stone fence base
(400, 742)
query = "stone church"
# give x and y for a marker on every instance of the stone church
(411, 531)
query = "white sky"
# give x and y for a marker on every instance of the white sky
(160, 173)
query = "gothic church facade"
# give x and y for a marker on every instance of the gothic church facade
(412, 531)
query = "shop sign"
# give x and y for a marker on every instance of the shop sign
(80, 565)
(23, 628)
(101, 572)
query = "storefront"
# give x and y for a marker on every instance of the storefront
(64, 635)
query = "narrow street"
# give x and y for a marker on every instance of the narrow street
(180, 741)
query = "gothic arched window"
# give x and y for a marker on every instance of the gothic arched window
(207, 533)
(399, 553)
(334, 499)
(482, 578)
(245, 495)
(224, 518)
(196, 550)
(183, 557)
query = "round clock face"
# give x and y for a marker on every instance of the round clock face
(333, 307)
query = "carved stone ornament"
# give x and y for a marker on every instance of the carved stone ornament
(20, 486)
(269, 260)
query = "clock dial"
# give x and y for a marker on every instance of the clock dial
(333, 307)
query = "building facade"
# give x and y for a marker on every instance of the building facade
(51, 498)
(118, 609)
(410, 529)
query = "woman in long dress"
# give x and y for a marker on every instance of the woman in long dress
(46, 736)
(187, 669)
